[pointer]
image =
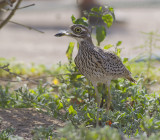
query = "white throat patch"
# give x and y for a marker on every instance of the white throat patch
(79, 39)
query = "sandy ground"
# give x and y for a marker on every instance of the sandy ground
(24, 120)
(50, 16)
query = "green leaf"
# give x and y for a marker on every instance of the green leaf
(125, 60)
(139, 115)
(60, 106)
(108, 19)
(100, 34)
(73, 19)
(108, 46)
(95, 9)
(93, 15)
(137, 132)
(71, 110)
(70, 51)
(100, 9)
(85, 107)
(111, 9)
(82, 20)
(118, 52)
(119, 43)
(88, 115)
(128, 67)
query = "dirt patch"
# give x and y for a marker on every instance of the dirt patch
(24, 120)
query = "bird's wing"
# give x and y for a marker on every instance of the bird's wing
(110, 62)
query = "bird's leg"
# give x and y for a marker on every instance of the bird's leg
(103, 96)
(98, 100)
(108, 97)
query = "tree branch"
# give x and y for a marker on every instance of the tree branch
(11, 14)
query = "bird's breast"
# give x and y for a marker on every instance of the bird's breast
(87, 67)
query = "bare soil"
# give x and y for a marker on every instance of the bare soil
(24, 120)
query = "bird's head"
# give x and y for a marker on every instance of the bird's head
(76, 31)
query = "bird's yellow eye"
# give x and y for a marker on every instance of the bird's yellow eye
(78, 30)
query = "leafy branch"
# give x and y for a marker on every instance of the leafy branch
(106, 14)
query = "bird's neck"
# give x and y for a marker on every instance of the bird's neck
(85, 43)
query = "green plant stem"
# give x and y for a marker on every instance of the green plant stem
(150, 53)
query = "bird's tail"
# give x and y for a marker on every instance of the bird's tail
(131, 79)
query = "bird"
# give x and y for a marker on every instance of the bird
(96, 64)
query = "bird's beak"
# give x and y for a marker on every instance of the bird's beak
(63, 33)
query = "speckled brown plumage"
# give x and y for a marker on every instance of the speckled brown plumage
(96, 64)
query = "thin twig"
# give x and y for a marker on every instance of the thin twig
(33, 80)
(11, 14)
(26, 6)
(8, 9)
(5, 68)
(9, 80)
(55, 75)
(26, 26)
